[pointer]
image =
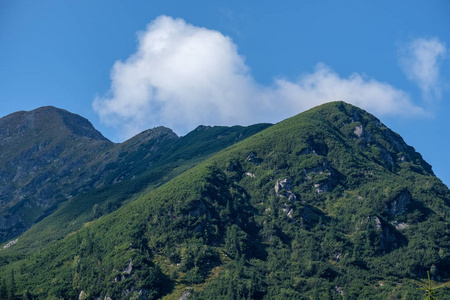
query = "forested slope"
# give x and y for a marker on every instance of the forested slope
(329, 204)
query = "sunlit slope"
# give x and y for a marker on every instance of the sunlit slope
(324, 205)
(144, 163)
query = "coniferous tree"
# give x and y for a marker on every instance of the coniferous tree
(3, 290)
(12, 288)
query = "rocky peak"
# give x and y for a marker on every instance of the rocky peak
(369, 133)
(46, 121)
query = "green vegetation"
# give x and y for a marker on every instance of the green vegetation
(431, 292)
(179, 156)
(329, 204)
(59, 156)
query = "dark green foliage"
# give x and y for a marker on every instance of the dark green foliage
(197, 261)
(329, 204)
(431, 293)
(171, 158)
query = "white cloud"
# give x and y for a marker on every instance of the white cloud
(420, 60)
(324, 85)
(182, 76)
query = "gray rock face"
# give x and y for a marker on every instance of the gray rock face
(377, 223)
(387, 234)
(289, 212)
(129, 268)
(11, 243)
(399, 225)
(285, 184)
(184, 295)
(253, 158)
(399, 205)
(362, 134)
(320, 168)
(325, 184)
(322, 187)
(82, 296)
(283, 188)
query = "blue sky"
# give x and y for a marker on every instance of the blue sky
(128, 66)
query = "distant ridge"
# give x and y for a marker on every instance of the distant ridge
(49, 155)
(48, 118)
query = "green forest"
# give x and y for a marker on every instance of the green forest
(329, 204)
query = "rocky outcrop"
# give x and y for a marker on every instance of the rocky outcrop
(326, 182)
(376, 222)
(322, 187)
(399, 204)
(129, 268)
(185, 295)
(9, 244)
(253, 158)
(362, 134)
(289, 212)
(283, 188)
(82, 296)
(388, 236)
(339, 290)
(319, 168)
(399, 225)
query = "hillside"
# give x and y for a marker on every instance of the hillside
(163, 164)
(329, 204)
(40, 154)
(49, 156)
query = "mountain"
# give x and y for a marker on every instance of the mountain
(49, 156)
(41, 153)
(329, 204)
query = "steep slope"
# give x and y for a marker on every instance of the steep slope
(38, 152)
(325, 205)
(140, 164)
(49, 155)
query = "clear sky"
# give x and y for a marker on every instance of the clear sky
(132, 65)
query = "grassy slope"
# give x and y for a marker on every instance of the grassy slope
(171, 160)
(223, 222)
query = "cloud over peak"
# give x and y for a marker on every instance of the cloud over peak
(182, 76)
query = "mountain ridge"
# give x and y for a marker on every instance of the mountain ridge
(49, 155)
(322, 205)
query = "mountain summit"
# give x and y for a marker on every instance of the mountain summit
(40, 151)
(328, 204)
(43, 123)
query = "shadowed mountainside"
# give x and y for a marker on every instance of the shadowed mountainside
(49, 155)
